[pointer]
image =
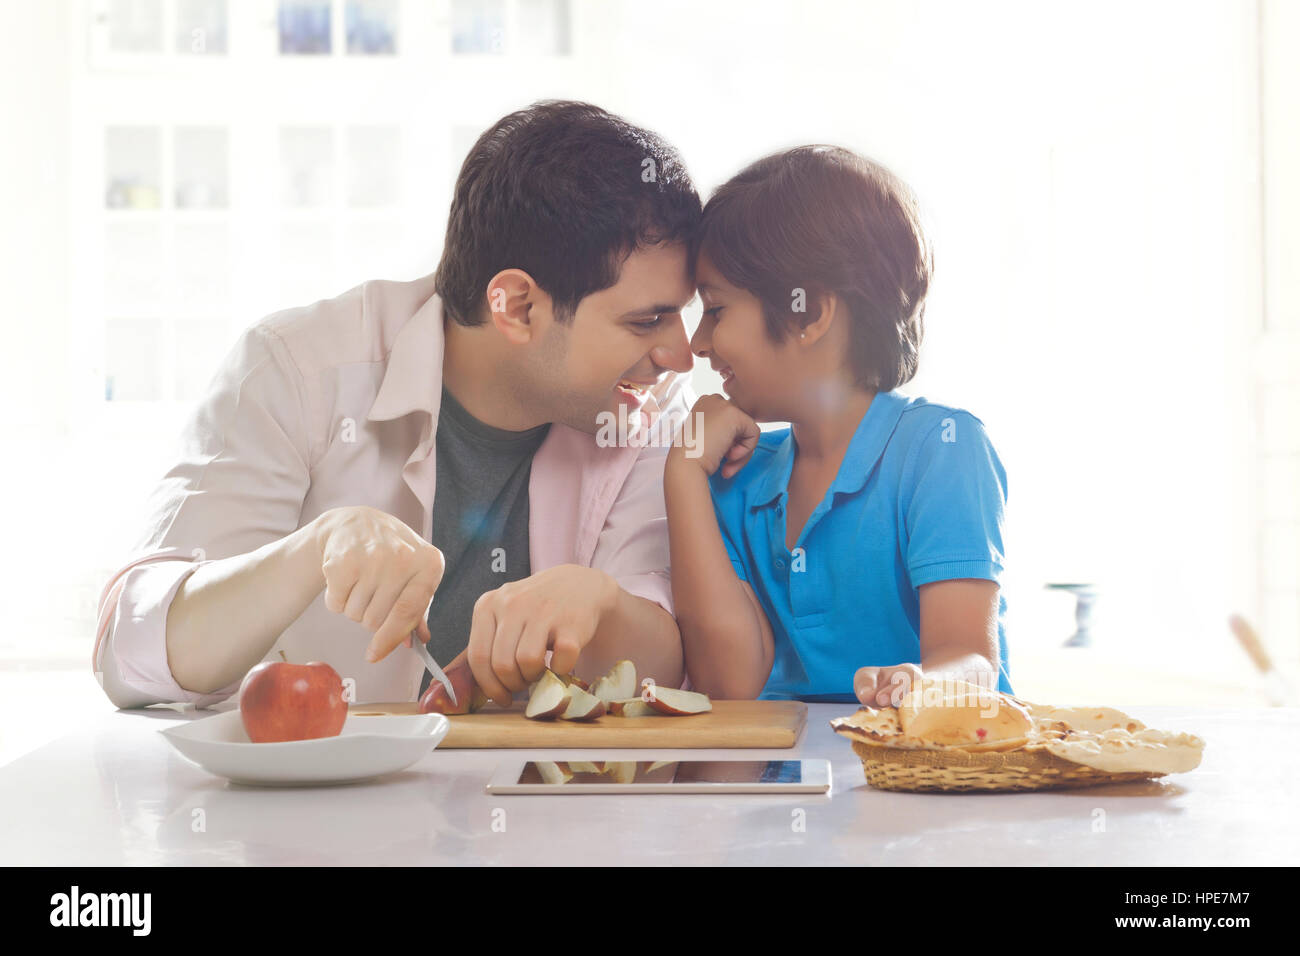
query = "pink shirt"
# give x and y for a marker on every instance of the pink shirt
(336, 403)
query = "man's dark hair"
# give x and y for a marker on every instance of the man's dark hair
(564, 191)
(823, 219)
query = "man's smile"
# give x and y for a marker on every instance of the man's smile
(637, 391)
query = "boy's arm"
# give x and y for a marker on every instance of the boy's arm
(957, 488)
(955, 554)
(959, 641)
(959, 630)
(726, 636)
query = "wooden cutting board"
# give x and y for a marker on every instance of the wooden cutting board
(731, 723)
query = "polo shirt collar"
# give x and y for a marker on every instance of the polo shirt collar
(774, 481)
(865, 448)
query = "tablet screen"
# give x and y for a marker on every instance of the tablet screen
(619, 772)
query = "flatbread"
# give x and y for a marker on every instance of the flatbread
(1092, 719)
(881, 726)
(1102, 738)
(954, 713)
(1124, 751)
(869, 723)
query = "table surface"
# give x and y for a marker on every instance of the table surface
(116, 793)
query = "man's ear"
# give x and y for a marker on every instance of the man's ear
(515, 305)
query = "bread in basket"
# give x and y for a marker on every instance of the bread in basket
(948, 735)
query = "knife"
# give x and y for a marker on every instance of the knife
(432, 666)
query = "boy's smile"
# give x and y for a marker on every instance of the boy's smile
(732, 335)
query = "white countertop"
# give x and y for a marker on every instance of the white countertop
(116, 793)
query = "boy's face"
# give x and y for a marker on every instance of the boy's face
(732, 335)
(631, 332)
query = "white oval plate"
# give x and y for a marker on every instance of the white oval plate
(366, 747)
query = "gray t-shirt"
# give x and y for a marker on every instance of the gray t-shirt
(480, 519)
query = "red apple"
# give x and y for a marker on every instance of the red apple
(469, 697)
(280, 701)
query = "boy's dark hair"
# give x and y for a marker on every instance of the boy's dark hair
(564, 191)
(823, 219)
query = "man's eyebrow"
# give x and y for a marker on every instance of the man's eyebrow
(656, 309)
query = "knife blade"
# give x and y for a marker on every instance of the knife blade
(432, 667)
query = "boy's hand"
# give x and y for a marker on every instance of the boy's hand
(726, 436)
(884, 686)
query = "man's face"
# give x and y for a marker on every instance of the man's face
(621, 339)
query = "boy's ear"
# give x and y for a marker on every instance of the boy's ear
(515, 304)
(827, 308)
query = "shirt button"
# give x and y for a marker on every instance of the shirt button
(780, 564)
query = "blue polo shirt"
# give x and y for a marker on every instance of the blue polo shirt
(919, 497)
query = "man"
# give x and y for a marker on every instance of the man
(357, 455)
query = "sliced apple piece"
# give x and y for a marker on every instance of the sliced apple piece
(583, 766)
(549, 698)
(469, 696)
(635, 707)
(618, 684)
(669, 700)
(582, 706)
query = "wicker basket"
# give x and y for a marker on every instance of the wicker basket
(893, 768)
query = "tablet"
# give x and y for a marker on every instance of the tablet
(661, 776)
